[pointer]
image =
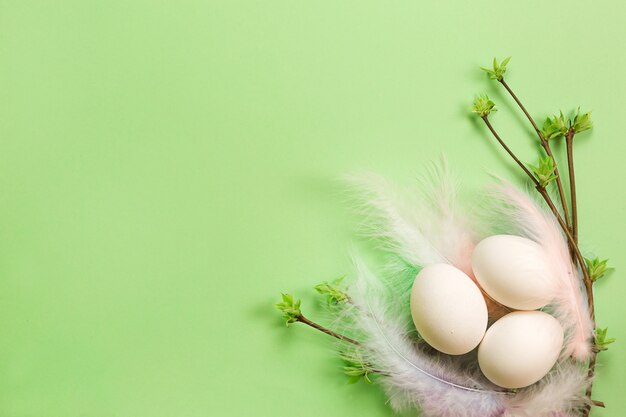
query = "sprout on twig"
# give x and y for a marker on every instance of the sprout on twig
(544, 171)
(290, 308)
(582, 122)
(483, 105)
(332, 290)
(601, 340)
(356, 367)
(597, 268)
(557, 125)
(498, 70)
(554, 127)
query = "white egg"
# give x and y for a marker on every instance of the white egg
(448, 309)
(520, 348)
(514, 271)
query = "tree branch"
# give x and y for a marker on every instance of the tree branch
(508, 150)
(573, 244)
(569, 141)
(590, 373)
(577, 255)
(323, 329)
(546, 146)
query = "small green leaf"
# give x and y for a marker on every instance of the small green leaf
(596, 268)
(554, 127)
(544, 171)
(332, 290)
(483, 105)
(498, 71)
(601, 340)
(356, 367)
(290, 308)
(582, 122)
(490, 72)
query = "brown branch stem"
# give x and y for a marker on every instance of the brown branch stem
(598, 403)
(577, 255)
(509, 151)
(590, 373)
(323, 329)
(546, 146)
(559, 182)
(544, 193)
(569, 141)
(573, 244)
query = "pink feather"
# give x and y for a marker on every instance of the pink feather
(422, 224)
(526, 218)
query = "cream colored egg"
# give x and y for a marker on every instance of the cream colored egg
(520, 348)
(448, 309)
(514, 271)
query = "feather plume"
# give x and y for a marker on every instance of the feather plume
(521, 215)
(560, 393)
(423, 224)
(426, 225)
(439, 386)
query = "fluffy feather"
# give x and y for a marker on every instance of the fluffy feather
(423, 225)
(560, 393)
(439, 386)
(521, 215)
(427, 225)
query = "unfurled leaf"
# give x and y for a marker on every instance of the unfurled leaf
(554, 127)
(332, 290)
(498, 70)
(483, 105)
(582, 122)
(290, 308)
(596, 268)
(356, 367)
(601, 340)
(544, 171)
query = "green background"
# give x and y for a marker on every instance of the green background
(167, 168)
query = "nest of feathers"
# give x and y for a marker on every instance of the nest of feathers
(429, 225)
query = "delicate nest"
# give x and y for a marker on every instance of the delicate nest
(427, 225)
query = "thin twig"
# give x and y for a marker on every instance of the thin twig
(573, 244)
(546, 146)
(323, 329)
(598, 403)
(542, 191)
(569, 141)
(590, 373)
(509, 151)
(577, 255)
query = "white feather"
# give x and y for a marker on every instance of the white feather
(561, 391)
(425, 225)
(422, 224)
(414, 378)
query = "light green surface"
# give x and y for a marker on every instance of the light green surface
(167, 168)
